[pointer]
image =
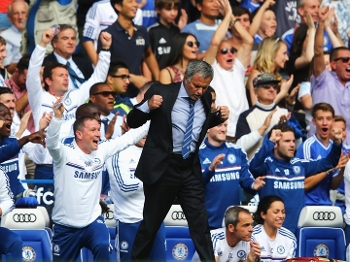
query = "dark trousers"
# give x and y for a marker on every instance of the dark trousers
(178, 181)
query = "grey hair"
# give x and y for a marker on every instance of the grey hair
(201, 67)
(62, 28)
(16, 1)
(232, 215)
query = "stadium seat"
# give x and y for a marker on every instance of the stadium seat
(320, 232)
(178, 239)
(36, 244)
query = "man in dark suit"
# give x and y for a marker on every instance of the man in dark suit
(169, 165)
(64, 45)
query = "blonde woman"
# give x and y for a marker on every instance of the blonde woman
(271, 57)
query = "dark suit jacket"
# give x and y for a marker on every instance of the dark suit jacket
(159, 144)
(83, 64)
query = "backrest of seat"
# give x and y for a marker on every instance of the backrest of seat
(175, 217)
(25, 218)
(177, 234)
(320, 232)
(36, 244)
(321, 216)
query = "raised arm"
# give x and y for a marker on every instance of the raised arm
(254, 27)
(308, 50)
(53, 132)
(220, 32)
(332, 29)
(319, 63)
(243, 52)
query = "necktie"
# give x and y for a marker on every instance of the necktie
(186, 146)
(105, 124)
(74, 76)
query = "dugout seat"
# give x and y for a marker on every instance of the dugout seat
(320, 232)
(177, 235)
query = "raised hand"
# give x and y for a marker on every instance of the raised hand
(276, 135)
(224, 112)
(47, 37)
(259, 182)
(58, 108)
(45, 120)
(106, 40)
(216, 162)
(155, 102)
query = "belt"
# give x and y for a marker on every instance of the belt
(47, 165)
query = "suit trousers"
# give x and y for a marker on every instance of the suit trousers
(178, 181)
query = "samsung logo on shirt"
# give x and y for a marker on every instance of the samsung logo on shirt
(288, 185)
(225, 177)
(86, 175)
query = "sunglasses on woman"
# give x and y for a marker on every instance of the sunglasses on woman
(224, 51)
(191, 43)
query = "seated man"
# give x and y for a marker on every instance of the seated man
(3, 71)
(233, 242)
(285, 174)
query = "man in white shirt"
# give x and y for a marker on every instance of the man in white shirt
(3, 71)
(78, 178)
(233, 242)
(229, 68)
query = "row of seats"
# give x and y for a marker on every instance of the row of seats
(320, 233)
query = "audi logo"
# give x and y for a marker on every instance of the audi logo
(109, 215)
(24, 218)
(178, 215)
(324, 215)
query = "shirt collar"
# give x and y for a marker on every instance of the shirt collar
(183, 92)
(62, 60)
(120, 28)
(15, 29)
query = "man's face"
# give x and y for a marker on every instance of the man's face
(323, 121)
(89, 135)
(58, 83)
(2, 53)
(197, 86)
(341, 65)
(244, 228)
(21, 79)
(218, 133)
(275, 215)
(209, 8)
(66, 43)
(5, 115)
(18, 15)
(128, 8)
(9, 101)
(311, 7)
(225, 55)
(104, 99)
(266, 93)
(120, 81)
(285, 147)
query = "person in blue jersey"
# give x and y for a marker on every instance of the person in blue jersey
(284, 173)
(10, 162)
(10, 243)
(316, 147)
(225, 170)
(277, 243)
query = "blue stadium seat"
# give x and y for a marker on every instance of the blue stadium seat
(178, 240)
(36, 244)
(320, 232)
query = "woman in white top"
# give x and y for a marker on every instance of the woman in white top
(277, 243)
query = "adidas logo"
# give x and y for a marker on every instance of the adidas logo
(277, 170)
(206, 161)
(162, 41)
(111, 17)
